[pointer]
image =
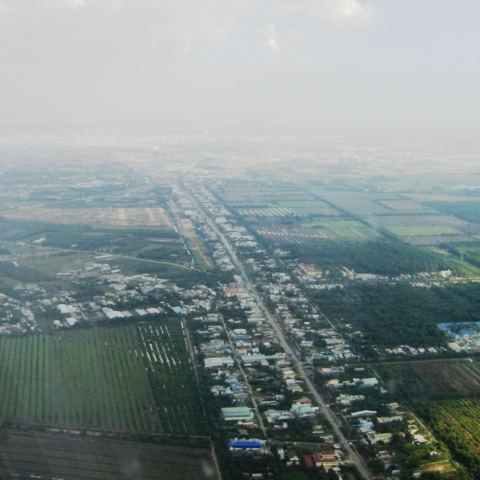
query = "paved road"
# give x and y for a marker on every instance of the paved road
(353, 456)
(245, 378)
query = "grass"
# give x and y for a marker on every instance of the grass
(462, 267)
(121, 378)
(343, 229)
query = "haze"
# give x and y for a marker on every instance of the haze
(321, 66)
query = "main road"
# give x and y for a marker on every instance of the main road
(353, 456)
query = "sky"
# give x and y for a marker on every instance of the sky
(376, 67)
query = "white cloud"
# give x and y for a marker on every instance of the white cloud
(271, 37)
(333, 13)
(70, 4)
(4, 7)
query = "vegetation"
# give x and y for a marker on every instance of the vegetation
(392, 315)
(417, 231)
(469, 211)
(132, 378)
(457, 423)
(383, 256)
(150, 243)
(432, 380)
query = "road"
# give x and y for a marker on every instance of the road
(353, 456)
(245, 378)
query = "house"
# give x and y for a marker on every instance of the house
(326, 459)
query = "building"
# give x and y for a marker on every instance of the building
(216, 362)
(237, 414)
(247, 445)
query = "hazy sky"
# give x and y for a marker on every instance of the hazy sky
(324, 66)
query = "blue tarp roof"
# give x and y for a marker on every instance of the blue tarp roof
(245, 444)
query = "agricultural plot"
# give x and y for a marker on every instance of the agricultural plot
(344, 229)
(290, 208)
(468, 210)
(434, 221)
(428, 198)
(106, 378)
(434, 380)
(406, 206)
(457, 423)
(98, 217)
(156, 243)
(309, 207)
(260, 195)
(425, 229)
(270, 201)
(358, 203)
(469, 251)
(422, 231)
(267, 212)
(318, 229)
(47, 455)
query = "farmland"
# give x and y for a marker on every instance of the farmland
(457, 423)
(255, 200)
(405, 206)
(358, 203)
(433, 380)
(132, 378)
(157, 243)
(59, 455)
(416, 219)
(343, 229)
(468, 210)
(99, 217)
(315, 229)
(258, 194)
(469, 251)
(291, 208)
(419, 231)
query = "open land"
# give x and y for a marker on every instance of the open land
(100, 217)
(75, 457)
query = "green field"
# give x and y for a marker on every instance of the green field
(468, 210)
(129, 378)
(419, 231)
(156, 243)
(405, 206)
(344, 229)
(457, 423)
(309, 207)
(358, 203)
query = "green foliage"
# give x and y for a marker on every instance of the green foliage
(457, 423)
(22, 273)
(383, 256)
(129, 378)
(392, 315)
